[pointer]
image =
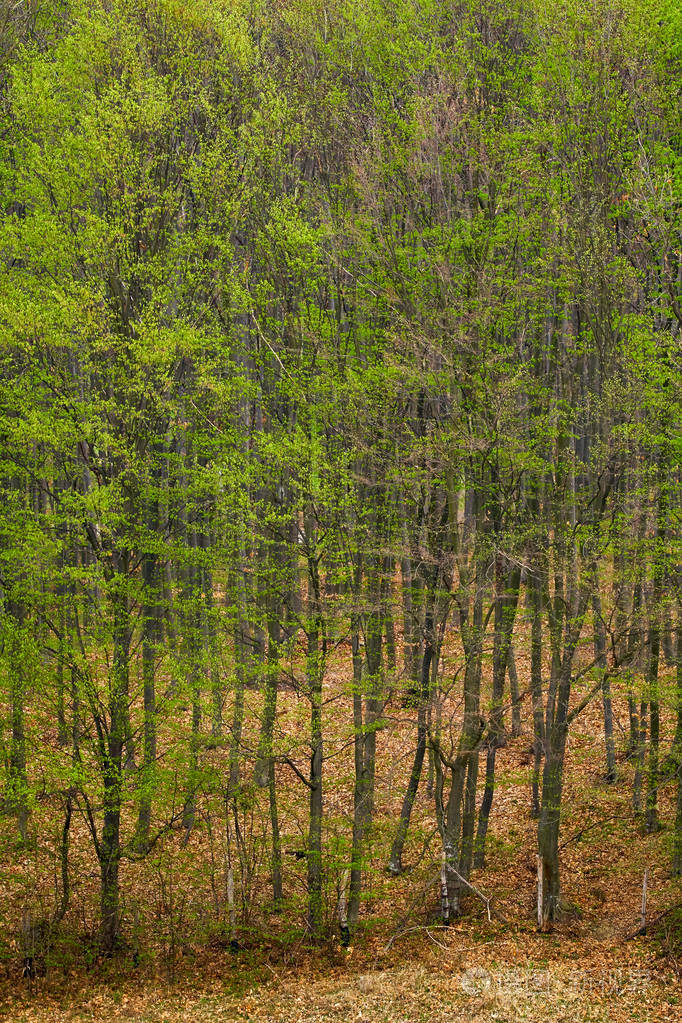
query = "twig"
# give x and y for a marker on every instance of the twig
(594, 824)
(419, 895)
(475, 890)
(417, 927)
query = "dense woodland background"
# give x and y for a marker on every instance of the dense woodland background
(339, 455)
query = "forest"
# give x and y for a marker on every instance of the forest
(340, 483)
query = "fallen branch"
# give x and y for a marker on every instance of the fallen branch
(420, 895)
(642, 929)
(484, 899)
(417, 927)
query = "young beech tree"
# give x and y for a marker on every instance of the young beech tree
(108, 270)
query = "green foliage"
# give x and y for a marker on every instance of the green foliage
(290, 295)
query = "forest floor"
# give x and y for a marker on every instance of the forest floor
(535, 979)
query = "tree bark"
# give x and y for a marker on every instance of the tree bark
(600, 658)
(109, 846)
(395, 865)
(506, 603)
(150, 630)
(315, 668)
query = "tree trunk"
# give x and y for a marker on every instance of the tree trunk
(514, 692)
(370, 684)
(17, 782)
(505, 613)
(535, 595)
(272, 677)
(548, 824)
(238, 707)
(109, 846)
(677, 753)
(552, 778)
(600, 658)
(315, 823)
(150, 629)
(211, 652)
(639, 751)
(652, 823)
(315, 669)
(355, 882)
(395, 865)
(192, 643)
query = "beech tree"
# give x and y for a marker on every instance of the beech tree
(340, 378)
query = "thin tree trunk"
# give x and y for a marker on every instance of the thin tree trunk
(651, 816)
(17, 781)
(514, 692)
(264, 755)
(62, 727)
(60, 911)
(194, 632)
(535, 594)
(315, 668)
(240, 656)
(355, 881)
(109, 846)
(211, 650)
(411, 591)
(315, 823)
(150, 629)
(640, 747)
(600, 658)
(395, 865)
(652, 822)
(677, 753)
(272, 676)
(505, 613)
(552, 779)
(366, 756)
